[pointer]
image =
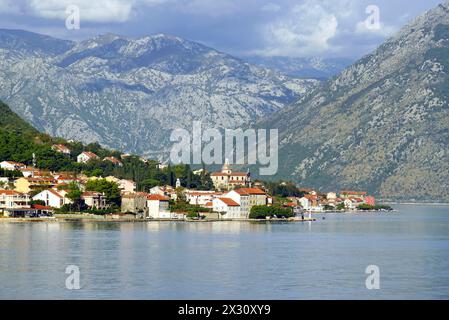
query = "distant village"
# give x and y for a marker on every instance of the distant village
(40, 193)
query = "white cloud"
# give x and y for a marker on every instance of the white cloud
(306, 30)
(8, 6)
(212, 8)
(92, 11)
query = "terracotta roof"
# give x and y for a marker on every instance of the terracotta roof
(15, 163)
(91, 194)
(61, 147)
(250, 191)
(229, 202)
(39, 207)
(113, 160)
(208, 204)
(89, 154)
(40, 179)
(27, 169)
(135, 195)
(157, 197)
(55, 193)
(10, 192)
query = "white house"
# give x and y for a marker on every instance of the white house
(53, 198)
(227, 208)
(10, 199)
(11, 165)
(352, 203)
(114, 161)
(61, 149)
(94, 200)
(305, 203)
(200, 197)
(247, 198)
(127, 185)
(158, 207)
(86, 156)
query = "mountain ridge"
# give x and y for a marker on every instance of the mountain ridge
(381, 124)
(131, 93)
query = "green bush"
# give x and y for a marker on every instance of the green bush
(367, 207)
(262, 212)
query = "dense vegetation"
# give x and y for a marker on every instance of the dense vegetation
(283, 189)
(262, 212)
(367, 207)
(19, 141)
(190, 209)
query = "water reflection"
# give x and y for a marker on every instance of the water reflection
(229, 260)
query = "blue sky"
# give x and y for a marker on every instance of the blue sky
(294, 28)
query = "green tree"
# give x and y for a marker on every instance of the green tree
(261, 212)
(109, 189)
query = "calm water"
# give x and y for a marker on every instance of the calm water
(231, 260)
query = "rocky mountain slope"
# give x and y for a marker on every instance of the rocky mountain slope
(130, 93)
(315, 68)
(382, 124)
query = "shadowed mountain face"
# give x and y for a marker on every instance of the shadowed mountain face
(382, 124)
(131, 93)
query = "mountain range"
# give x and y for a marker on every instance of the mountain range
(382, 124)
(306, 68)
(129, 94)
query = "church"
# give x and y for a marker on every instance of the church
(228, 180)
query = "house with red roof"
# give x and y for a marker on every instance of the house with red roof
(53, 198)
(247, 198)
(10, 199)
(61, 149)
(95, 199)
(227, 179)
(86, 156)
(114, 161)
(134, 202)
(226, 207)
(11, 165)
(158, 207)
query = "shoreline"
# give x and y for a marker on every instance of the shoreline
(418, 203)
(95, 219)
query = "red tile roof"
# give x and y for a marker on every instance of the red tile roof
(15, 163)
(89, 154)
(10, 192)
(157, 197)
(54, 193)
(39, 207)
(61, 148)
(250, 191)
(91, 194)
(229, 202)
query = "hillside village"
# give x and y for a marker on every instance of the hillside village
(44, 176)
(26, 191)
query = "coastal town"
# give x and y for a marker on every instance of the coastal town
(36, 193)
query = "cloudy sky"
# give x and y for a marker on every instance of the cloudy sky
(295, 28)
